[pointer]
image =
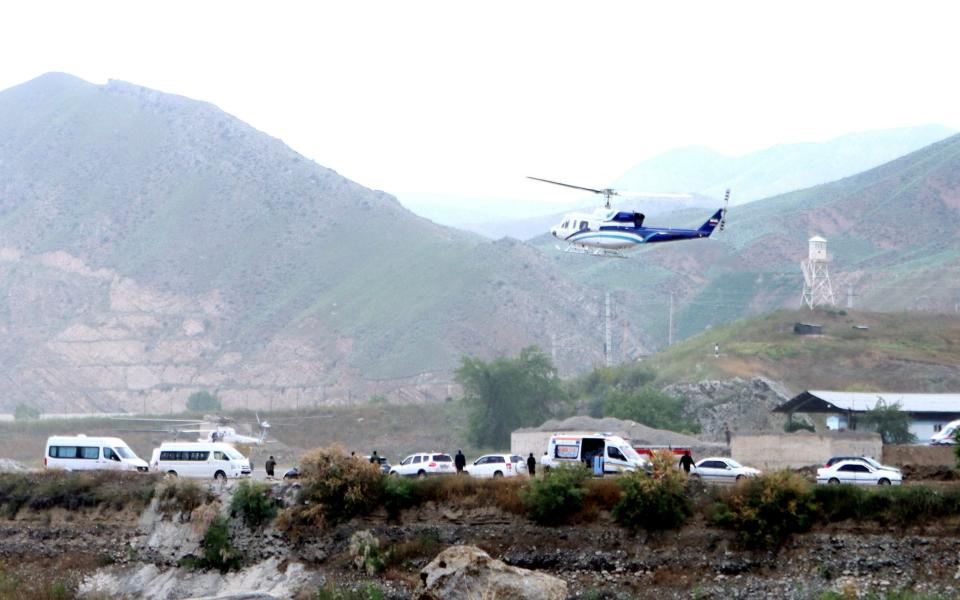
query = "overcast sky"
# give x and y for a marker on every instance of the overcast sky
(467, 98)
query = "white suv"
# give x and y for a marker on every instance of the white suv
(423, 464)
(497, 465)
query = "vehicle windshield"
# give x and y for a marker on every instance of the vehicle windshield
(870, 461)
(630, 453)
(124, 452)
(233, 454)
(733, 463)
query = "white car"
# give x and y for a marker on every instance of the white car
(857, 472)
(423, 464)
(719, 469)
(497, 465)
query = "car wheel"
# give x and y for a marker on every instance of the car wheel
(834, 481)
(393, 473)
(421, 474)
(884, 481)
(220, 476)
(739, 477)
(171, 474)
(497, 475)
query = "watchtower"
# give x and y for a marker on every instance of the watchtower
(817, 290)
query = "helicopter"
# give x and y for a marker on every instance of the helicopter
(211, 428)
(608, 232)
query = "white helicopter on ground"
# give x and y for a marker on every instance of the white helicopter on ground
(210, 429)
(608, 232)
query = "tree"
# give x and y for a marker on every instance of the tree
(648, 406)
(890, 422)
(203, 401)
(26, 412)
(508, 393)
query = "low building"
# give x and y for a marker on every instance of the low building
(928, 412)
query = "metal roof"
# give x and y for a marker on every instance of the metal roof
(828, 401)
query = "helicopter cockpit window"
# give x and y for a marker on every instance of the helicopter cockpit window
(583, 224)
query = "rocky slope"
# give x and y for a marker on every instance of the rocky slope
(152, 245)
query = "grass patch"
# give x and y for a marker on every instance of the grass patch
(74, 491)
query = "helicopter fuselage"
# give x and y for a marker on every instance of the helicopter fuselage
(607, 229)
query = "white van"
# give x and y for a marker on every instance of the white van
(82, 453)
(572, 448)
(202, 460)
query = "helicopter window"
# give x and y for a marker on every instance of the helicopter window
(583, 224)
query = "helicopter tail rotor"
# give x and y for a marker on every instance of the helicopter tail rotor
(726, 203)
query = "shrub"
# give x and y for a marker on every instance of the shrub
(333, 592)
(218, 550)
(654, 502)
(203, 401)
(253, 503)
(766, 510)
(423, 544)
(26, 412)
(342, 486)
(365, 550)
(556, 497)
(842, 502)
(182, 495)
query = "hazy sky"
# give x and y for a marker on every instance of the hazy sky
(467, 98)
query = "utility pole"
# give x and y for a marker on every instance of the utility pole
(670, 323)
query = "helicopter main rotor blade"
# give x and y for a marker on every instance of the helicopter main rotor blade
(576, 187)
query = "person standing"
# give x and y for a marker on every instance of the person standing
(374, 458)
(531, 465)
(270, 465)
(686, 462)
(460, 461)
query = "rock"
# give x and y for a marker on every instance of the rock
(468, 572)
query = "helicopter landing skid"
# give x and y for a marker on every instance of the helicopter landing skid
(606, 252)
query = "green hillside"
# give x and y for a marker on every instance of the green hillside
(897, 352)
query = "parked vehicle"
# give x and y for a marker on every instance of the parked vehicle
(857, 472)
(292, 473)
(720, 469)
(947, 436)
(497, 465)
(866, 459)
(573, 448)
(423, 464)
(202, 460)
(83, 453)
(384, 464)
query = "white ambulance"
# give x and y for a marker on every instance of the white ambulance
(202, 460)
(83, 453)
(581, 448)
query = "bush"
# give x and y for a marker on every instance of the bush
(182, 495)
(365, 550)
(556, 497)
(340, 485)
(252, 502)
(766, 510)
(73, 491)
(654, 502)
(218, 550)
(203, 401)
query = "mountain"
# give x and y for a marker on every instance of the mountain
(152, 245)
(776, 170)
(890, 230)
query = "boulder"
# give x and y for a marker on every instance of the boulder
(470, 573)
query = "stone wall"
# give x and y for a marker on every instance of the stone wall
(772, 451)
